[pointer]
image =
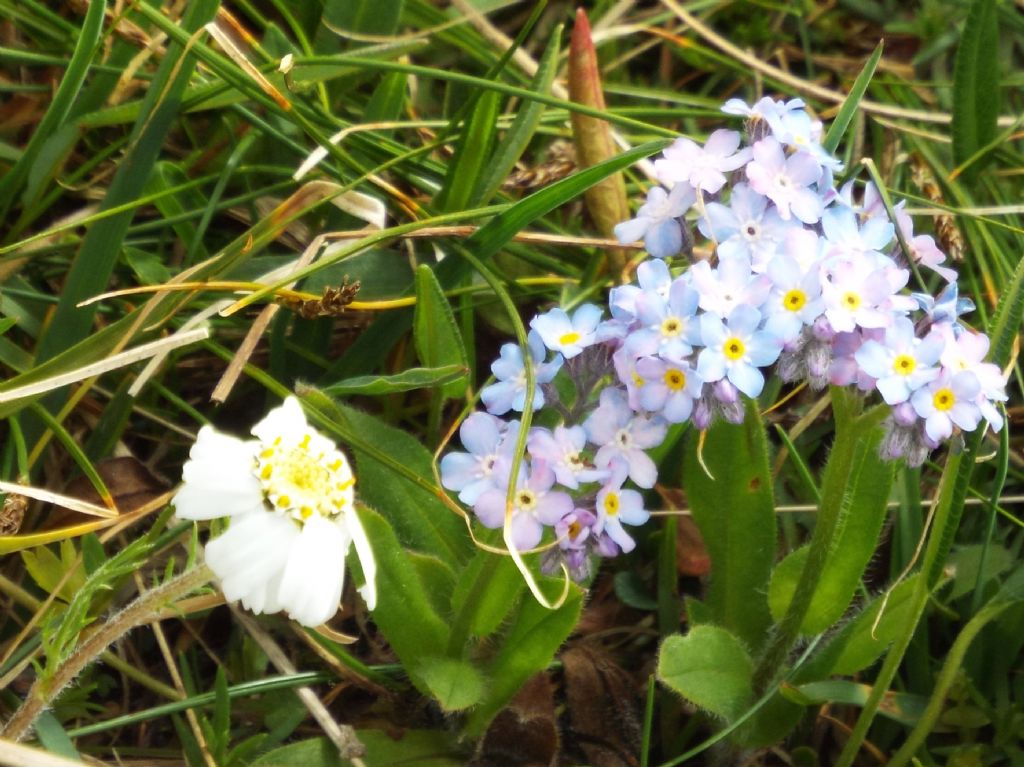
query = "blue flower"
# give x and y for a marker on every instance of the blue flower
(704, 167)
(658, 220)
(616, 506)
(472, 473)
(669, 388)
(903, 364)
(568, 336)
(561, 451)
(620, 433)
(510, 391)
(736, 349)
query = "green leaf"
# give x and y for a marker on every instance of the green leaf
(518, 136)
(471, 153)
(631, 590)
(862, 511)
(149, 268)
(175, 206)
(849, 108)
(967, 560)
(54, 738)
(437, 577)
(366, 17)
(456, 684)
(535, 635)
(862, 641)
(736, 516)
(976, 82)
(404, 610)
(437, 337)
(221, 724)
(709, 667)
(420, 520)
(48, 570)
(901, 707)
(504, 587)
(388, 100)
(413, 378)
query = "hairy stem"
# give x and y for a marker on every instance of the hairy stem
(850, 431)
(945, 515)
(143, 610)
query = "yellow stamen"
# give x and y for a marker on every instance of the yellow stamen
(904, 365)
(675, 379)
(671, 326)
(794, 300)
(944, 399)
(734, 349)
(611, 504)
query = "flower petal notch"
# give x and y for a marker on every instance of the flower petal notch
(290, 497)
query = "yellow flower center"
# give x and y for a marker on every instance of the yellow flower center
(305, 478)
(734, 349)
(574, 530)
(526, 500)
(944, 399)
(675, 379)
(611, 504)
(671, 327)
(569, 338)
(638, 381)
(794, 300)
(851, 300)
(904, 365)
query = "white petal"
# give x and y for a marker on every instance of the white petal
(365, 553)
(251, 554)
(218, 478)
(287, 421)
(315, 572)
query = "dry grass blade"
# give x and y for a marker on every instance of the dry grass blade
(48, 496)
(113, 362)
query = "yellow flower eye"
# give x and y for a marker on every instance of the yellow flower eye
(944, 399)
(904, 365)
(611, 504)
(734, 349)
(794, 300)
(675, 379)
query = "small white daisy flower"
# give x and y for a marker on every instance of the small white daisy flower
(290, 497)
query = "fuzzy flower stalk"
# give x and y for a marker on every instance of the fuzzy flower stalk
(289, 498)
(806, 282)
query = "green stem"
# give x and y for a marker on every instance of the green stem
(944, 515)
(954, 661)
(143, 610)
(850, 431)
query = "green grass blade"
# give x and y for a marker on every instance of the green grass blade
(976, 82)
(92, 267)
(518, 136)
(842, 120)
(74, 76)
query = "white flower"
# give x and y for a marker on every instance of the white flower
(289, 494)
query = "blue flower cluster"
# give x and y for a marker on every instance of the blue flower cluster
(804, 277)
